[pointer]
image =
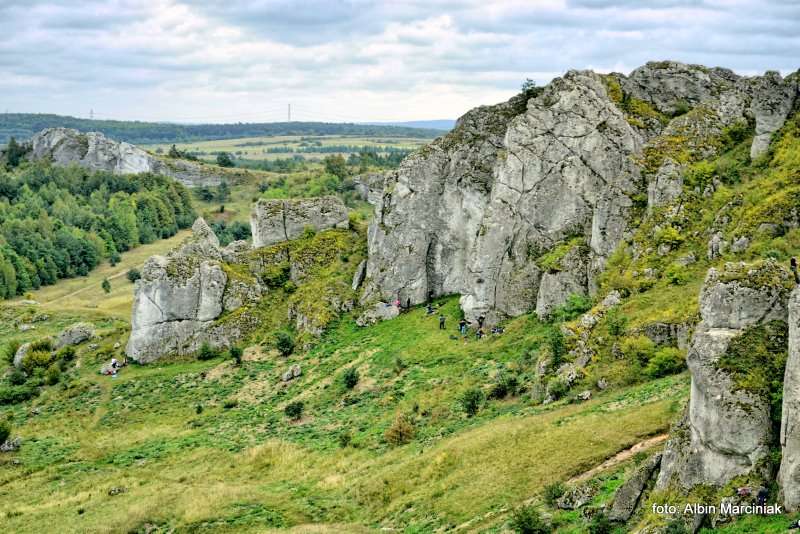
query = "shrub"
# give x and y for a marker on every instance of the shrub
(528, 520)
(557, 388)
(45, 344)
(309, 231)
(284, 342)
(198, 409)
(669, 236)
(236, 354)
(17, 377)
(616, 322)
(66, 354)
(600, 525)
(52, 375)
(134, 275)
(638, 348)
(505, 385)
(676, 274)
(665, 361)
(106, 285)
(575, 305)
(401, 431)
(471, 401)
(11, 350)
(207, 352)
(294, 410)
(350, 378)
(16, 394)
(553, 492)
(345, 438)
(230, 403)
(5, 431)
(36, 359)
(554, 341)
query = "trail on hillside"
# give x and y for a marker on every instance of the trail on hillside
(615, 460)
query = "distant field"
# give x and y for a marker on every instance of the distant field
(310, 147)
(84, 294)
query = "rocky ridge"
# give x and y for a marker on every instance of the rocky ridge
(95, 151)
(523, 202)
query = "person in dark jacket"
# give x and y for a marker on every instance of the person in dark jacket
(441, 322)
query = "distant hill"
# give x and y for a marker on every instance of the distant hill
(24, 125)
(441, 124)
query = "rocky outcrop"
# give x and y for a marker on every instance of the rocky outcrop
(178, 299)
(92, 150)
(74, 335)
(789, 473)
(273, 221)
(95, 151)
(726, 431)
(628, 497)
(471, 213)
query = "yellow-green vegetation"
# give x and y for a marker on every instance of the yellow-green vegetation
(551, 261)
(287, 146)
(84, 294)
(206, 445)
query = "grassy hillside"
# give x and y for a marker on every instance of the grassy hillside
(202, 445)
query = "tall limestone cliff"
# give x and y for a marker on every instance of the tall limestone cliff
(95, 151)
(789, 474)
(523, 202)
(727, 430)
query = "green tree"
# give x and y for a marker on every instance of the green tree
(106, 285)
(223, 191)
(224, 160)
(14, 153)
(337, 166)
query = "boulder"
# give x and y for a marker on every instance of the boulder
(629, 494)
(789, 473)
(380, 311)
(773, 100)
(293, 372)
(359, 275)
(273, 221)
(22, 351)
(577, 497)
(727, 431)
(74, 335)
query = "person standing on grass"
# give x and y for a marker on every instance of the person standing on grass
(462, 327)
(441, 321)
(481, 319)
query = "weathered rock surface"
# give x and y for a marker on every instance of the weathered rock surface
(178, 298)
(95, 151)
(74, 335)
(789, 473)
(273, 221)
(471, 213)
(628, 496)
(727, 430)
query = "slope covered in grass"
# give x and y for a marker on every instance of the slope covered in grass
(207, 443)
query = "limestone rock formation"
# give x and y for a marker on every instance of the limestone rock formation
(95, 151)
(471, 213)
(74, 335)
(727, 430)
(789, 474)
(178, 298)
(92, 150)
(628, 496)
(273, 221)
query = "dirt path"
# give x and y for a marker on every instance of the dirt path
(84, 288)
(621, 457)
(611, 462)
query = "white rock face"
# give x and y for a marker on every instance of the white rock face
(95, 151)
(178, 298)
(470, 213)
(92, 150)
(727, 431)
(789, 474)
(273, 221)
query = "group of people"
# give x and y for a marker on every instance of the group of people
(463, 324)
(113, 367)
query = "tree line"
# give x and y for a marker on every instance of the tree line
(60, 222)
(24, 125)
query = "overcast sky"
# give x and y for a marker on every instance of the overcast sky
(357, 60)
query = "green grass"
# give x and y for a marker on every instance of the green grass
(248, 468)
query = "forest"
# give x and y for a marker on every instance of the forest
(24, 125)
(60, 222)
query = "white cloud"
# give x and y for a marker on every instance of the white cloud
(354, 60)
